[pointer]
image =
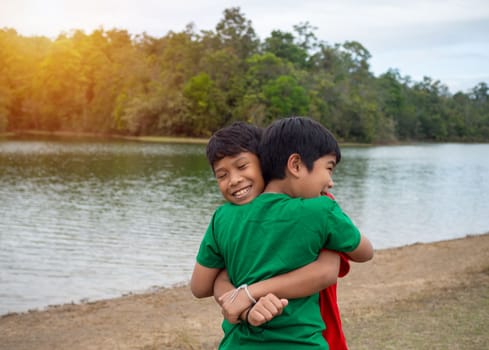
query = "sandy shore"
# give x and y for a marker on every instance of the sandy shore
(173, 319)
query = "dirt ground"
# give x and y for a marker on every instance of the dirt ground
(172, 319)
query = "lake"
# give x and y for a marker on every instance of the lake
(83, 220)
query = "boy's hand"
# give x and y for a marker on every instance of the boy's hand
(232, 308)
(265, 309)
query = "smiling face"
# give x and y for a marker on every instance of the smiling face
(320, 179)
(239, 178)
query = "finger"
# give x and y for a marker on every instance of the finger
(255, 318)
(264, 312)
(272, 305)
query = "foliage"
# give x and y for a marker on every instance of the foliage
(191, 84)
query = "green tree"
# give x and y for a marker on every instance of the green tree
(59, 88)
(226, 71)
(200, 93)
(187, 83)
(282, 45)
(306, 39)
(236, 32)
(431, 112)
(285, 97)
(19, 64)
(480, 100)
(262, 69)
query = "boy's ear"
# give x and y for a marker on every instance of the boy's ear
(294, 164)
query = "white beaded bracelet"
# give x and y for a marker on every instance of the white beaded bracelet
(245, 287)
(248, 294)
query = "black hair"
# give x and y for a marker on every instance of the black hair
(232, 140)
(300, 135)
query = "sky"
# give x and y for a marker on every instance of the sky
(444, 40)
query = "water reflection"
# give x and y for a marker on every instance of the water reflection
(90, 219)
(94, 220)
(422, 193)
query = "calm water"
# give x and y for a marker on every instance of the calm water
(87, 220)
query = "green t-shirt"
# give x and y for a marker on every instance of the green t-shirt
(269, 236)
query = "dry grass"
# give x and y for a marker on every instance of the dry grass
(455, 318)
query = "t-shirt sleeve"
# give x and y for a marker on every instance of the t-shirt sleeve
(209, 254)
(341, 233)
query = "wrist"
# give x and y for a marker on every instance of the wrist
(247, 293)
(244, 316)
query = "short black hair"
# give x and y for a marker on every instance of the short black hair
(301, 135)
(232, 140)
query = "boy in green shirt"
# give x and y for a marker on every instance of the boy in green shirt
(240, 181)
(277, 233)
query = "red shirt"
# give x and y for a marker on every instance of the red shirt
(330, 312)
(328, 305)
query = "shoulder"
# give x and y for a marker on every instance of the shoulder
(315, 209)
(224, 207)
(229, 210)
(320, 203)
(221, 210)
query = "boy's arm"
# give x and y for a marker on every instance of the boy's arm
(302, 282)
(202, 281)
(222, 285)
(364, 251)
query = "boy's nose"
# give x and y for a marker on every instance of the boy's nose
(236, 179)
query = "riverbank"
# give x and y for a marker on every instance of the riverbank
(72, 135)
(421, 296)
(152, 139)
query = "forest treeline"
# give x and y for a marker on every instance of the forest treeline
(190, 84)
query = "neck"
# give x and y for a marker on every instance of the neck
(279, 186)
